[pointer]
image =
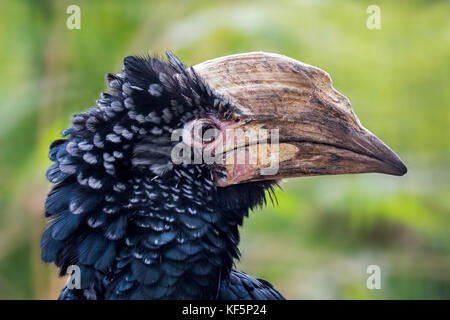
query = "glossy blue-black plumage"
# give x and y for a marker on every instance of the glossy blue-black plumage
(138, 225)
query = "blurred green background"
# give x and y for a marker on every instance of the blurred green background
(319, 240)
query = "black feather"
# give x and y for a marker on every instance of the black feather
(138, 225)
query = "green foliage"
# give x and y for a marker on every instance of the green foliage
(325, 231)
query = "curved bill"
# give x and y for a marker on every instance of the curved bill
(308, 128)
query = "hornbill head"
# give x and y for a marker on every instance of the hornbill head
(273, 96)
(132, 199)
(253, 117)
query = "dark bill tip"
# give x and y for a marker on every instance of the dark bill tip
(377, 149)
(398, 166)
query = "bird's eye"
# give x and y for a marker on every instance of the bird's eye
(200, 133)
(204, 132)
(209, 133)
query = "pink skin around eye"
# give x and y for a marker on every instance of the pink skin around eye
(241, 172)
(227, 135)
(190, 136)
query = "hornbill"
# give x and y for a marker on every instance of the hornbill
(140, 225)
